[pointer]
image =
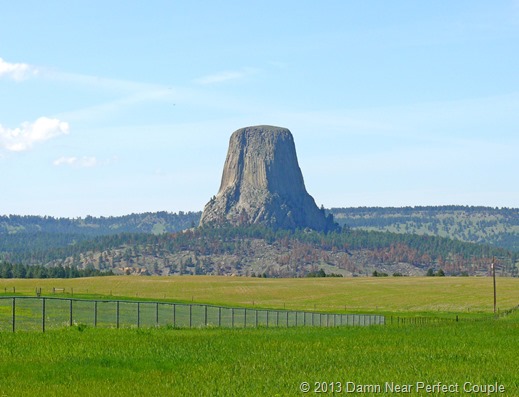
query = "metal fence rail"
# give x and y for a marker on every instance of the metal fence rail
(42, 313)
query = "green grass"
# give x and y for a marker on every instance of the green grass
(166, 361)
(255, 362)
(381, 295)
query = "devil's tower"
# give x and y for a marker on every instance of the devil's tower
(262, 183)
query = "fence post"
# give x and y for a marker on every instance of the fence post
(174, 315)
(245, 319)
(43, 315)
(256, 318)
(190, 316)
(138, 314)
(157, 314)
(14, 314)
(219, 316)
(117, 313)
(205, 316)
(232, 317)
(95, 313)
(71, 315)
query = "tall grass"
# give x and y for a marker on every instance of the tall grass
(255, 362)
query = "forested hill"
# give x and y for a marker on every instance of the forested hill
(487, 225)
(152, 243)
(484, 225)
(149, 222)
(282, 253)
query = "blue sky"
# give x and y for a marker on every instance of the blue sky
(114, 107)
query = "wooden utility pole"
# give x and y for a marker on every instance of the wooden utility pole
(494, 279)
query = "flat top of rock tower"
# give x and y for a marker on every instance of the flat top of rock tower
(265, 127)
(258, 129)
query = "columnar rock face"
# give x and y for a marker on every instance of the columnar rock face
(263, 184)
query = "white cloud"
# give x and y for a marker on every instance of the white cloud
(25, 136)
(225, 76)
(16, 71)
(83, 162)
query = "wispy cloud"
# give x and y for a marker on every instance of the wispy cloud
(16, 71)
(98, 82)
(72, 161)
(130, 93)
(24, 137)
(108, 109)
(225, 76)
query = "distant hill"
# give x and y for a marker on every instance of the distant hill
(260, 251)
(484, 225)
(400, 241)
(149, 222)
(36, 239)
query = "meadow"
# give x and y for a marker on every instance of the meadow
(463, 357)
(391, 295)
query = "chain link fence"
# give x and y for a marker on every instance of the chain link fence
(42, 313)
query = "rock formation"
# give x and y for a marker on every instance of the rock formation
(263, 184)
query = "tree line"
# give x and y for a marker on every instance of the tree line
(9, 270)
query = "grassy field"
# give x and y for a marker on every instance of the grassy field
(398, 295)
(260, 362)
(464, 356)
